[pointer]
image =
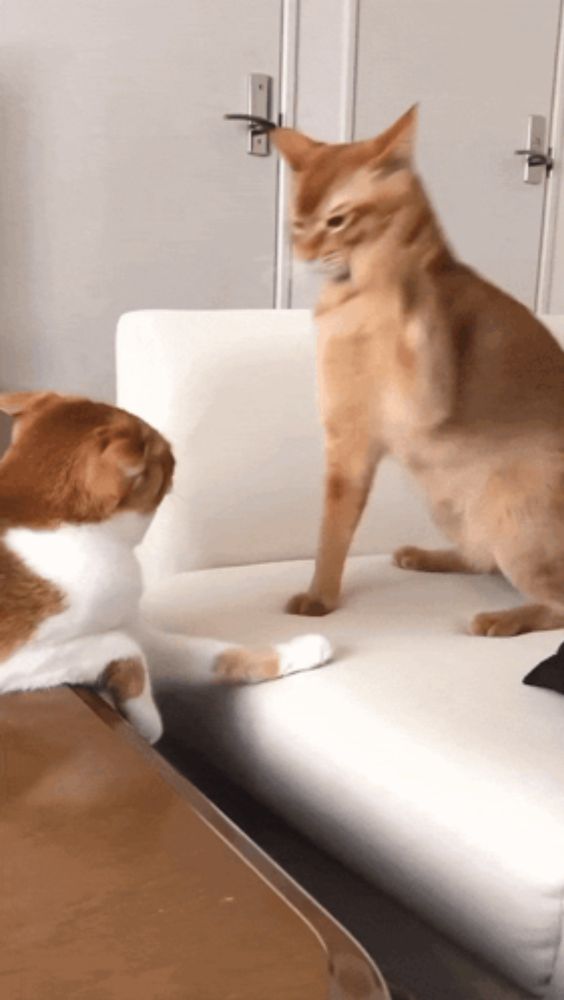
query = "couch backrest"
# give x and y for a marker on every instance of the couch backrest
(234, 391)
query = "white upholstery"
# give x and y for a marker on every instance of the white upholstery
(417, 757)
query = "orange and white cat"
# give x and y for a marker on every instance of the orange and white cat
(421, 358)
(78, 488)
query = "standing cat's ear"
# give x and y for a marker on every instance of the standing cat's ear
(16, 403)
(399, 139)
(294, 146)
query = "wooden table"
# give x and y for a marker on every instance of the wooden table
(120, 881)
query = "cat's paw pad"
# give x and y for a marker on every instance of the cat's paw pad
(304, 653)
(409, 557)
(308, 604)
(499, 623)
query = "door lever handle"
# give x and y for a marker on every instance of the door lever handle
(262, 124)
(257, 116)
(536, 159)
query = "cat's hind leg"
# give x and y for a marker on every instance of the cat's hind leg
(538, 576)
(517, 621)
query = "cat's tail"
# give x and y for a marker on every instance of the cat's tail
(204, 661)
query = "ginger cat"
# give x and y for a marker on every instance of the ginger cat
(421, 358)
(78, 488)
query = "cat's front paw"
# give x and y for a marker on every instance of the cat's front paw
(309, 604)
(305, 652)
(410, 557)
(239, 665)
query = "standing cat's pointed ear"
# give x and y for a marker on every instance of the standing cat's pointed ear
(294, 146)
(15, 403)
(399, 139)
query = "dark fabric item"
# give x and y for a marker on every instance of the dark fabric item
(549, 673)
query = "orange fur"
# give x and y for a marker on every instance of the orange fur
(77, 461)
(70, 461)
(238, 664)
(27, 600)
(421, 358)
(74, 465)
(124, 679)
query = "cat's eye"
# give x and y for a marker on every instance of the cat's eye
(336, 221)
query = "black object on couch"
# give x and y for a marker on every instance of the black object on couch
(549, 673)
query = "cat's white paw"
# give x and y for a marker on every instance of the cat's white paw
(304, 653)
(145, 717)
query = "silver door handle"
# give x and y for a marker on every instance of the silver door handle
(259, 88)
(536, 159)
(538, 162)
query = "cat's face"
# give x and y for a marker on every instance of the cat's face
(344, 195)
(86, 460)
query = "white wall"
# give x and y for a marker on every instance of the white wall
(121, 187)
(110, 114)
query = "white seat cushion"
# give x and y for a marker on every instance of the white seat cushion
(417, 757)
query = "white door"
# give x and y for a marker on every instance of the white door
(121, 186)
(478, 68)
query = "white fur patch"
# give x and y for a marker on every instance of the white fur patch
(144, 715)
(303, 653)
(96, 571)
(94, 567)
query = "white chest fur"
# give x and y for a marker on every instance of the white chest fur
(94, 567)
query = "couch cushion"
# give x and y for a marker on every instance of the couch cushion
(417, 757)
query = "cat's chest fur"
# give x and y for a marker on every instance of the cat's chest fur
(94, 568)
(359, 352)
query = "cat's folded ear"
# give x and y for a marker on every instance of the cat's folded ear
(121, 449)
(294, 146)
(127, 467)
(16, 403)
(398, 141)
(113, 459)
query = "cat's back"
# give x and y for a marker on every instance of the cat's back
(508, 365)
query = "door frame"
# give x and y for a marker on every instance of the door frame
(298, 35)
(550, 221)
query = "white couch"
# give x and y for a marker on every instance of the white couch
(418, 757)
